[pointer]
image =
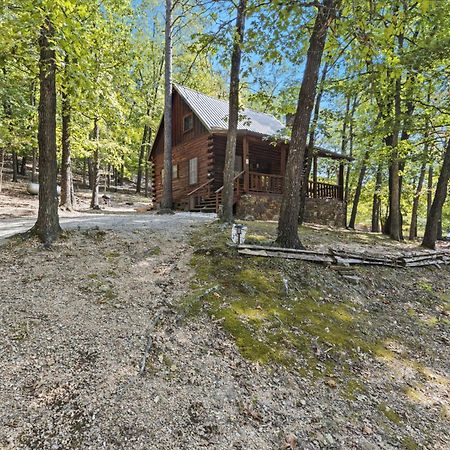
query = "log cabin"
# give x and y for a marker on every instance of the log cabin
(199, 127)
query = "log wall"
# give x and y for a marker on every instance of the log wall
(201, 148)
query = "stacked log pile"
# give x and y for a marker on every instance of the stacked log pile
(345, 258)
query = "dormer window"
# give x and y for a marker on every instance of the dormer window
(188, 122)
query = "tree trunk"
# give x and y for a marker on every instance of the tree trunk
(357, 196)
(23, 166)
(47, 224)
(84, 171)
(14, 167)
(66, 200)
(290, 205)
(429, 189)
(147, 163)
(376, 204)
(415, 207)
(233, 116)
(95, 167)
(431, 229)
(167, 196)
(395, 224)
(310, 148)
(141, 158)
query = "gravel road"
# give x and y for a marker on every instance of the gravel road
(131, 221)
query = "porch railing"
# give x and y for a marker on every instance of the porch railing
(273, 184)
(323, 190)
(264, 182)
(259, 183)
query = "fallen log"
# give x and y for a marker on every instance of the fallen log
(310, 256)
(347, 259)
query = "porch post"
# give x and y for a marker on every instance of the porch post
(315, 176)
(245, 163)
(341, 181)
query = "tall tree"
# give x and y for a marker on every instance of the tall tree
(96, 166)
(66, 200)
(47, 226)
(288, 221)
(233, 115)
(434, 218)
(167, 197)
(310, 147)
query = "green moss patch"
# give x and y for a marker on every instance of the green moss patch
(273, 309)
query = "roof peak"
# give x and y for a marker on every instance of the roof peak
(177, 85)
(213, 113)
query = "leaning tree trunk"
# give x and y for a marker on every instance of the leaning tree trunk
(310, 147)
(376, 204)
(290, 205)
(167, 195)
(233, 116)
(47, 224)
(95, 167)
(66, 200)
(357, 196)
(343, 151)
(415, 207)
(432, 226)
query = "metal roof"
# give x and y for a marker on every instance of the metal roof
(213, 113)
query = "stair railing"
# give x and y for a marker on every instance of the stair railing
(204, 190)
(236, 190)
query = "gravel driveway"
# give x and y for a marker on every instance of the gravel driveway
(131, 221)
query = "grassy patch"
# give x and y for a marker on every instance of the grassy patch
(274, 309)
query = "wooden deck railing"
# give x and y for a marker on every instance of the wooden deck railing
(273, 184)
(264, 182)
(323, 190)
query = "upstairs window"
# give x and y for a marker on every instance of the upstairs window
(188, 122)
(193, 171)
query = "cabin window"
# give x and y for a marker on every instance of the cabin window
(193, 171)
(188, 122)
(175, 171)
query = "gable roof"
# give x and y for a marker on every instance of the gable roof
(213, 113)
